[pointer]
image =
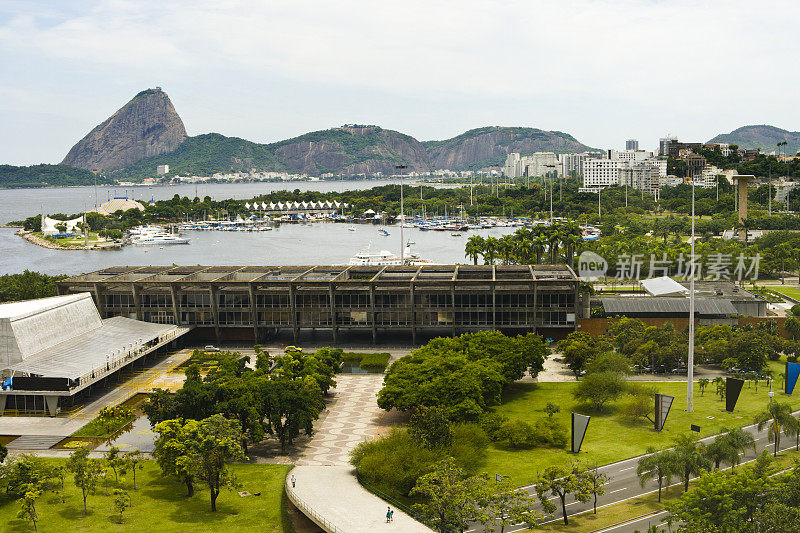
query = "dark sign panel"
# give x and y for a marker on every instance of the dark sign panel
(733, 387)
(52, 384)
(792, 372)
(579, 425)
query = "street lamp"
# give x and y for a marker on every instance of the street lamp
(551, 195)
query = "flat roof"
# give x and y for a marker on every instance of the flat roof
(662, 286)
(81, 355)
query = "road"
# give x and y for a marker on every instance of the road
(623, 485)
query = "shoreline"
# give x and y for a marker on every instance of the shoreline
(44, 243)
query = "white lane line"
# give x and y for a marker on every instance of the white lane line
(629, 522)
(618, 490)
(629, 468)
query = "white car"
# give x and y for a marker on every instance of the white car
(210, 348)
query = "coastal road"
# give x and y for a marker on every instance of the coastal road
(624, 485)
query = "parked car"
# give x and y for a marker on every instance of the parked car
(292, 349)
(210, 348)
(680, 371)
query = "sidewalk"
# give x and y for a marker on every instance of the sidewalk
(332, 497)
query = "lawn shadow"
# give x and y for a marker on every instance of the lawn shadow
(517, 390)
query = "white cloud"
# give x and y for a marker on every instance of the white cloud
(633, 59)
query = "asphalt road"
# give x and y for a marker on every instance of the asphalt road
(623, 485)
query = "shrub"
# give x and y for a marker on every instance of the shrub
(550, 432)
(598, 389)
(637, 406)
(375, 361)
(796, 309)
(469, 446)
(517, 434)
(491, 423)
(791, 358)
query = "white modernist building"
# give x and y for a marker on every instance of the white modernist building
(49, 225)
(53, 348)
(537, 164)
(636, 168)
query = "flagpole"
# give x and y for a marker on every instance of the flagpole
(690, 361)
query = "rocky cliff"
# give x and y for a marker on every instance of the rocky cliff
(761, 136)
(489, 146)
(146, 126)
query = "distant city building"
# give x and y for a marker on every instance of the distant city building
(162, 170)
(572, 164)
(663, 145)
(674, 148)
(708, 177)
(537, 164)
(636, 168)
(631, 144)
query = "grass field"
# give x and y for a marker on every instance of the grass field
(791, 292)
(609, 437)
(161, 505)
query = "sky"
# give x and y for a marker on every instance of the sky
(604, 71)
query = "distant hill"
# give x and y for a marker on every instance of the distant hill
(489, 146)
(148, 125)
(46, 175)
(147, 132)
(761, 136)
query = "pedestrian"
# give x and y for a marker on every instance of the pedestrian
(391, 515)
(388, 514)
(292, 480)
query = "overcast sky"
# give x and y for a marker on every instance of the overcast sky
(602, 70)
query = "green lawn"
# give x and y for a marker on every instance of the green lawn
(791, 292)
(161, 505)
(610, 438)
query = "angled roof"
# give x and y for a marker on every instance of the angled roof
(25, 308)
(648, 305)
(663, 286)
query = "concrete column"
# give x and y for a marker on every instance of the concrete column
(453, 308)
(494, 312)
(176, 311)
(412, 308)
(372, 314)
(254, 313)
(334, 326)
(52, 404)
(137, 301)
(215, 311)
(3, 398)
(293, 306)
(99, 300)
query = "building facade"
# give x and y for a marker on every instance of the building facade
(636, 168)
(254, 301)
(631, 144)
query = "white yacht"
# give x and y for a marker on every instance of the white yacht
(366, 257)
(154, 236)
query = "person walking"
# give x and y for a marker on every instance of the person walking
(388, 514)
(391, 515)
(292, 480)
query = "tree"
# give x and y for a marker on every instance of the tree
(592, 482)
(86, 472)
(450, 498)
(135, 461)
(290, 405)
(173, 450)
(703, 383)
(689, 458)
(777, 417)
(792, 326)
(597, 389)
(218, 444)
(657, 465)
(474, 247)
(430, 427)
(559, 482)
(27, 509)
(551, 409)
(114, 461)
(122, 501)
(508, 505)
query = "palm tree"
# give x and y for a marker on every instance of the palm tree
(703, 383)
(539, 246)
(720, 450)
(474, 247)
(740, 440)
(778, 418)
(490, 249)
(570, 242)
(553, 241)
(689, 458)
(505, 247)
(656, 465)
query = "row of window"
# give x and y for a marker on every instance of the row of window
(347, 300)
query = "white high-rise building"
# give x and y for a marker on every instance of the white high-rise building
(572, 164)
(663, 144)
(534, 165)
(637, 168)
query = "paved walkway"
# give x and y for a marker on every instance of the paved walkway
(332, 497)
(353, 416)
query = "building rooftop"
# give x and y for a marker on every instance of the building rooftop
(21, 309)
(649, 305)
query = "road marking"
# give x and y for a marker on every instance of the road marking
(629, 522)
(618, 490)
(629, 468)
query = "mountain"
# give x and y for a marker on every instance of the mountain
(349, 150)
(146, 126)
(489, 146)
(761, 136)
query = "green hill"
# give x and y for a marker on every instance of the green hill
(46, 175)
(762, 136)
